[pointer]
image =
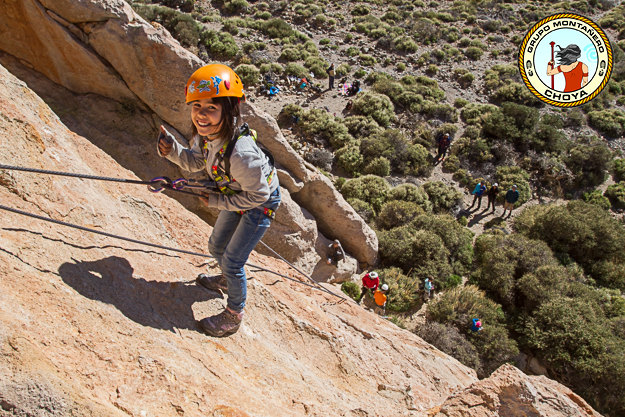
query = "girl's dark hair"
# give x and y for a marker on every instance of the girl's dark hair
(230, 113)
(568, 55)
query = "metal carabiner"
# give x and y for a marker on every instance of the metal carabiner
(160, 183)
(179, 184)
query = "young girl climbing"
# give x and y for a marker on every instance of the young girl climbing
(249, 189)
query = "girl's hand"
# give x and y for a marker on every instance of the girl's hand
(165, 142)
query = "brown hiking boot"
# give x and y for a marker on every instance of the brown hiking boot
(213, 282)
(223, 324)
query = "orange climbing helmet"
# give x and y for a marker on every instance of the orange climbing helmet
(213, 80)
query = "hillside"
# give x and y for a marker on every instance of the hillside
(364, 175)
(93, 326)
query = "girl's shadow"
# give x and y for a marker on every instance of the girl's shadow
(158, 304)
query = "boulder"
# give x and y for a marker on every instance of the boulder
(509, 392)
(104, 48)
(96, 326)
(320, 197)
(33, 34)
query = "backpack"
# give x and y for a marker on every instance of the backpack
(244, 130)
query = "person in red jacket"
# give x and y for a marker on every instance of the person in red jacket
(369, 282)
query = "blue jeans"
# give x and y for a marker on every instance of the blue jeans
(233, 239)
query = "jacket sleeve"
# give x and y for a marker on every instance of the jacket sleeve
(249, 168)
(189, 159)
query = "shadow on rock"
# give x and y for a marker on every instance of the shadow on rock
(158, 304)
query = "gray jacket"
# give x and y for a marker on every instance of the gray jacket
(249, 167)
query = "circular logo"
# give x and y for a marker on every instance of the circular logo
(565, 60)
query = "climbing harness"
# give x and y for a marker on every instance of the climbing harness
(223, 177)
(157, 185)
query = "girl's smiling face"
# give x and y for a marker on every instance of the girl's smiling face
(206, 117)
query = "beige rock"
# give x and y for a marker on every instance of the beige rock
(34, 35)
(103, 47)
(320, 197)
(509, 392)
(92, 326)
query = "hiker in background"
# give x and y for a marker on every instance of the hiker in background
(476, 325)
(335, 253)
(512, 196)
(443, 142)
(354, 88)
(478, 192)
(331, 74)
(428, 288)
(370, 282)
(379, 296)
(247, 205)
(492, 196)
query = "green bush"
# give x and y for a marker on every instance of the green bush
(458, 306)
(235, 6)
(220, 44)
(584, 233)
(351, 289)
(411, 193)
(363, 209)
(573, 340)
(182, 26)
(464, 77)
(443, 197)
(473, 53)
(360, 10)
(296, 70)
(249, 74)
(456, 238)
(350, 159)
(395, 213)
(588, 162)
(610, 122)
(272, 67)
(616, 194)
(403, 294)
(318, 124)
(370, 188)
(500, 261)
(405, 158)
(379, 166)
(292, 54)
(317, 66)
(362, 127)
(597, 198)
(414, 250)
(276, 28)
(449, 340)
(367, 60)
(378, 106)
(618, 169)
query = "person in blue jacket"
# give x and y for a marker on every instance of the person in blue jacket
(478, 192)
(477, 325)
(512, 196)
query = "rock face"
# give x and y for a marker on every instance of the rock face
(102, 48)
(509, 392)
(95, 326)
